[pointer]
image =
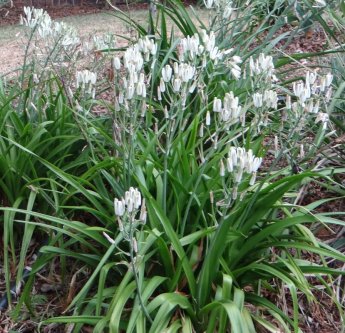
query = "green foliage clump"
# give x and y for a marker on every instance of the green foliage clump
(183, 196)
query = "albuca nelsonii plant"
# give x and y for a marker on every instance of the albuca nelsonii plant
(221, 222)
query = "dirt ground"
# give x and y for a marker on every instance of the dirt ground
(13, 38)
(89, 20)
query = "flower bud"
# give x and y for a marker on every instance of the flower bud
(208, 118)
(217, 105)
(117, 63)
(119, 207)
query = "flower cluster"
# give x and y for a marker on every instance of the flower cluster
(181, 76)
(129, 206)
(223, 6)
(33, 17)
(133, 60)
(229, 110)
(312, 86)
(268, 99)
(134, 83)
(126, 210)
(191, 47)
(262, 67)
(131, 202)
(147, 47)
(49, 30)
(310, 93)
(135, 86)
(104, 42)
(86, 80)
(233, 63)
(238, 163)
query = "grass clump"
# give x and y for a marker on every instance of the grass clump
(191, 175)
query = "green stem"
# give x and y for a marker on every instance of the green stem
(131, 253)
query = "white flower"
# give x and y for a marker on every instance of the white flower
(301, 151)
(208, 3)
(310, 78)
(176, 68)
(166, 73)
(132, 199)
(201, 130)
(192, 87)
(130, 91)
(217, 105)
(214, 53)
(119, 207)
(162, 85)
(159, 93)
(314, 88)
(208, 40)
(186, 72)
(117, 63)
(323, 117)
(121, 97)
(239, 161)
(147, 47)
(110, 240)
(141, 89)
(231, 110)
(236, 72)
(229, 164)
(297, 88)
(208, 119)
(132, 56)
(143, 212)
(190, 46)
(86, 80)
(309, 107)
(257, 99)
(271, 99)
(252, 179)
(302, 91)
(238, 176)
(33, 16)
(177, 84)
(262, 66)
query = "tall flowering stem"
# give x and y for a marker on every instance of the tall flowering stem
(127, 210)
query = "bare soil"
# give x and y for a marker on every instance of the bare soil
(90, 19)
(13, 37)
